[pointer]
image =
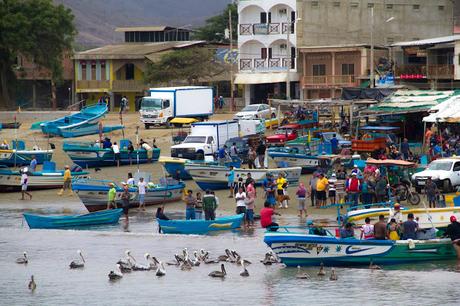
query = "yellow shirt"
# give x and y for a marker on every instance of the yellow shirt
(321, 184)
(67, 175)
(280, 182)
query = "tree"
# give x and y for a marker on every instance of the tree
(36, 29)
(214, 29)
(189, 65)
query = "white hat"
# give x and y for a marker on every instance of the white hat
(355, 166)
(333, 175)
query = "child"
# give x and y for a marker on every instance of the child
(332, 189)
(301, 194)
(198, 206)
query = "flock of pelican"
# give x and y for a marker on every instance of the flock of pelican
(321, 273)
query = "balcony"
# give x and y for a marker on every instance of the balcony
(440, 71)
(92, 86)
(266, 64)
(128, 85)
(265, 28)
(328, 81)
(423, 71)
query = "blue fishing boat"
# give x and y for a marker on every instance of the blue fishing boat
(90, 154)
(297, 247)
(52, 222)
(89, 130)
(87, 116)
(22, 157)
(200, 227)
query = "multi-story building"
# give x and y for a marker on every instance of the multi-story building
(267, 43)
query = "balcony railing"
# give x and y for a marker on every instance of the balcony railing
(440, 71)
(128, 85)
(245, 64)
(422, 71)
(92, 84)
(328, 81)
(410, 70)
(246, 29)
(265, 28)
(266, 64)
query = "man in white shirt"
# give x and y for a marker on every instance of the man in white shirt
(141, 185)
(240, 204)
(116, 153)
(24, 182)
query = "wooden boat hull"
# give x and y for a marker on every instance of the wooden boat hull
(89, 130)
(213, 177)
(200, 226)
(53, 222)
(13, 158)
(94, 195)
(302, 249)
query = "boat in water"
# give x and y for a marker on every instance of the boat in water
(90, 154)
(110, 216)
(200, 226)
(93, 193)
(47, 178)
(88, 116)
(213, 177)
(20, 156)
(299, 248)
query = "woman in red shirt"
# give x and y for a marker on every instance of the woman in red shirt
(266, 214)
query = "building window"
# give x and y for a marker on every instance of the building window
(390, 40)
(348, 69)
(263, 53)
(441, 7)
(129, 71)
(416, 7)
(319, 69)
(336, 4)
(389, 6)
(370, 5)
(354, 4)
(314, 4)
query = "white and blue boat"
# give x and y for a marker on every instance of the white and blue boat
(213, 177)
(90, 115)
(296, 247)
(284, 158)
(89, 130)
(200, 227)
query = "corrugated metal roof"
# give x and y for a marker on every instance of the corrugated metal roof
(148, 29)
(340, 46)
(429, 41)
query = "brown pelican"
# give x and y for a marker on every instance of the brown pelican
(204, 255)
(23, 259)
(32, 285)
(136, 266)
(160, 270)
(220, 273)
(321, 271)
(244, 272)
(75, 264)
(267, 260)
(374, 267)
(152, 260)
(114, 275)
(333, 276)
(196, 261)
(125, 264)
(176, 262)
(301, 275)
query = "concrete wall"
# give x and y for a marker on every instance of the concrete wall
(325, 23)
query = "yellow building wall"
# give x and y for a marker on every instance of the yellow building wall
(138, 74)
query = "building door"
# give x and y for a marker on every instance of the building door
(263, 17)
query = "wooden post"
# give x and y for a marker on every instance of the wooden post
(232, 98)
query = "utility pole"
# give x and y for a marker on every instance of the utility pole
(289, 57)
(232, 98)
(371, 65)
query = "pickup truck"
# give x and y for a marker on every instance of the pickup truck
(284, 133)
(194, 147)
(444, 172)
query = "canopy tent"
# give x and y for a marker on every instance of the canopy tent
(447, 111)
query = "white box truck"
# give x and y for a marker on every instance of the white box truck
(163, 104)
(205, 138)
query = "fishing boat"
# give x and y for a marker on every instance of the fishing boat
(89, 130)
(51, 222)
(90, 154)
(93, 193)
(48, 178)
(89, 115)
(200, 226)
(176, 166)
(20, 156)
(10, 125)
(213, 177)
(427, 217)
(308, 163)
(296, 247)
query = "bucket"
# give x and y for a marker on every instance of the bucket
(337, 232)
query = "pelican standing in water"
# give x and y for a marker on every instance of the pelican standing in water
(333, 276)
(244, 272)
(152, 260)
(321, 271)
(301, 275)
(23, 259)
(32, 285)
(160, 270)
(114, 275)
(75, 264)
(220, 273)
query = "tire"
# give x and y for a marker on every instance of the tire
(413, 198)
(200, 155)
(147, 126)
(418, 189)
(446, 186)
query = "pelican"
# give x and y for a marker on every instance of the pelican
(152, 260)
(75, 264)
(220, 273)
(204, 255)
(301, 275)
(160, 270)
(374, 267)
(23, 259)
(244, 272)
(267, 260)
(273, 257)
(230, 256)
(321, 271)
(196, 262)
(211, 261)
(135, 266)
(333, 276)
(32, 285)
(186, 266)
(114, 275)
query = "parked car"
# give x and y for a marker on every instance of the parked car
(256, 111)
(444, 172)
(284, 133)
(327, 136)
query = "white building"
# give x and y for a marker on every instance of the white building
(267, 47)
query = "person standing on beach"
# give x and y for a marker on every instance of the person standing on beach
(270, 186)
(209, 206)
(141, 189)
(261, 154)
(230, 180)
(24, 183)
(116, 153)
(301, 195)
(250, 203)
(123, 104)
(111, 195)
(199, 206)
(431, 191)
(33, 164)
(321, 187)
(125, 195)
(240, 197)
(67, 181)
(190, 202)
(130, 181)
(252, 155)
(313, 182)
